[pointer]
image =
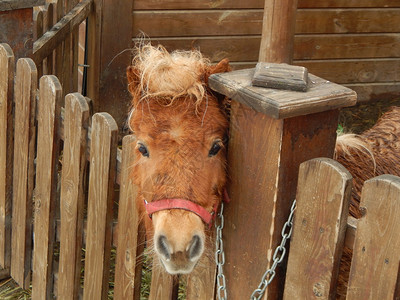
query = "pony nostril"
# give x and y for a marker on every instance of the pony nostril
(162, 246)
(195, 247)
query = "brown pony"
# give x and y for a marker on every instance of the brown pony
(181, 131)
(374, 152)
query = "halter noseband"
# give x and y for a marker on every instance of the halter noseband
(176, 203)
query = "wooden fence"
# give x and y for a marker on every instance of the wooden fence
(29, 203)
(319, 235)
(33, 209)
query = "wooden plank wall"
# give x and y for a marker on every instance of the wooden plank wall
(355, 43)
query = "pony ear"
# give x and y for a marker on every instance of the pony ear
(221, 67)
(133, 77)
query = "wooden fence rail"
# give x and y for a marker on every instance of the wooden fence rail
(55, 47)
(320, 219)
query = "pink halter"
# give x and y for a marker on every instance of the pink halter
(164, 204)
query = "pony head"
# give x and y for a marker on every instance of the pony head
(181, 133)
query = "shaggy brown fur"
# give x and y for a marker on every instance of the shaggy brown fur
(373, 153)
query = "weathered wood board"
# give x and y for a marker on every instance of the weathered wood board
(128, 222)
(162, 284)
(208, 4)
(7, 64)
(23, 178)
(72, 195)
(201, 282)
(321, 96)
(376, 258)
(322, 199)
(280, 76)
(103, 152)
(108, 60)
(49, 112)
(224, 22)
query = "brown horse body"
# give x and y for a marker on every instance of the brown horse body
(372, 153)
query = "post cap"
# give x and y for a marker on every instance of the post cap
(322, 95)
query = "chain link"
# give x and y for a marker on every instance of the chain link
(277, 258)
(269, 275)
(220, 256)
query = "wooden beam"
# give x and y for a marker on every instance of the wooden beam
(278, 31)
(234, 4)
(44, 46)
(18, 4)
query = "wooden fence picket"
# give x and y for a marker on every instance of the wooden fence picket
(24, 154)
(201, 282)
(128, 224)
(162, 284)
(49, 113)
(7, 65)
(323, 193)
(376, 259)
(103, 149)
(76, 119)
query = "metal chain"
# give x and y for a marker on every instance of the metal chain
(269, 275)
(277, 258)
(220, 256)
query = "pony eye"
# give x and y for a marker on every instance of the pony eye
(142, 149)
(215, 148)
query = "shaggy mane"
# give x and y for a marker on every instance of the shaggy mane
(347, 143)
(171, 75)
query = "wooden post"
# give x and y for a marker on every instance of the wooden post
(271, 133)
(109, 44)
(278, 31)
